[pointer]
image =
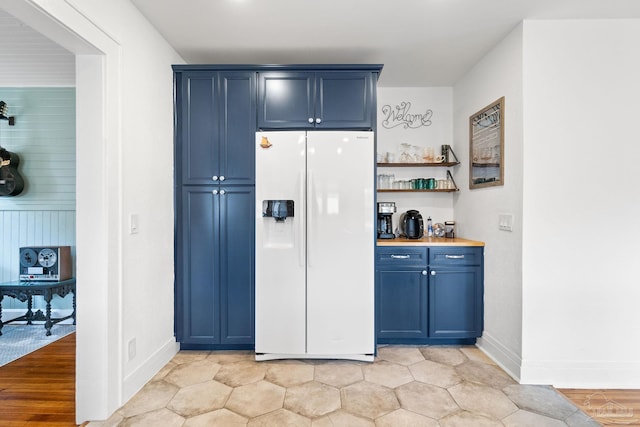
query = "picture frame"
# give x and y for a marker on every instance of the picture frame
(486, 146)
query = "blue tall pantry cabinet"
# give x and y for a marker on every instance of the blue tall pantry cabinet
(215, 124)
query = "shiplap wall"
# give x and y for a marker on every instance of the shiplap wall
(44, 138)
(44, 213)
(30, 59)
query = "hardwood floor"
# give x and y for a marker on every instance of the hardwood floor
(608, 407)
(38, 389)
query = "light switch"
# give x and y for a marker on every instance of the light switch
(505, 222)
(133, 223)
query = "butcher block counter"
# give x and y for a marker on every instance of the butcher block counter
(429, 241)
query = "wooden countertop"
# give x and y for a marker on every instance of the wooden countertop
(428, 241)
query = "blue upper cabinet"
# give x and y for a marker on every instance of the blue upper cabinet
(331, 99)
(286, 100)
(216, 127)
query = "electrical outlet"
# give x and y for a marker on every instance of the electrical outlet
(505, 222)
(132, 348)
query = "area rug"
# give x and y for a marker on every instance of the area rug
(18, 340)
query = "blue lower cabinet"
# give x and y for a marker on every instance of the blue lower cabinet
(429, 295)
(214, 275)
(401, 303)
(455, 302)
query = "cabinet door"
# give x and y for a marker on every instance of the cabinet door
(344, 100)
(197, 289)
(286, 100)
(237, 127)
(198, 137)
(455, 302)
(237, 242)
(401, 300)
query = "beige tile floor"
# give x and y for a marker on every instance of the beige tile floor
(405, 386)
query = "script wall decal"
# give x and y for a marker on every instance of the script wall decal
(401, 115)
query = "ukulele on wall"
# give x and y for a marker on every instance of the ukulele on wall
(11, 182)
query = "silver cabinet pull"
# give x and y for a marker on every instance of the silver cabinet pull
(222, 192)
(454, 256)
(310, 119)
(214, 178)
(318, 120)
(214, 192)
(400, 256)
(433, 273)
(424, 272)
(221, 177)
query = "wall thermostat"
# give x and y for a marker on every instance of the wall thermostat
(52, 263)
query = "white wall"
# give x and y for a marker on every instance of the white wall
(125, 158)
(392, 133)
(580, 284)
(560, 290)
(498, 74)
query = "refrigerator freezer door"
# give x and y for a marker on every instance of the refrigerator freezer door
(280, 244)
(340, 243)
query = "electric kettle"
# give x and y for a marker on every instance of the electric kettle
(411, 224)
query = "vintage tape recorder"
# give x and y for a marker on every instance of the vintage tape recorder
(51, 263)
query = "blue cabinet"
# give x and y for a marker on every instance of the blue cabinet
(455, 292)
(216, 116)
(215, 290)
(338, 99)
(215, 124)
(215, 127)
(429, 295)
(401, 293)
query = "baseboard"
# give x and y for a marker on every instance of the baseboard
(582, 374)
(148, 369)
(504, 357)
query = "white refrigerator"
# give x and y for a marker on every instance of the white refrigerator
(315, 241)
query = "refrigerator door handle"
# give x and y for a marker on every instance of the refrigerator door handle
(310, 210)
(302, 241)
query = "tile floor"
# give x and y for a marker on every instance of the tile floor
(405, 386)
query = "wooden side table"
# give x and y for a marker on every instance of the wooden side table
(24, 291)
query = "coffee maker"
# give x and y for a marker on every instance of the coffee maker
(385, 224)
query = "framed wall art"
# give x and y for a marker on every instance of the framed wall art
(486, 146)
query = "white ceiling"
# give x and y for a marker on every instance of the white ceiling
(420, 42)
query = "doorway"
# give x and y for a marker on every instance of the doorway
(98, 370)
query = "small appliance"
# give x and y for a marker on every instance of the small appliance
(412, 226)
(45, 263)
(385, 223)
(450, 229)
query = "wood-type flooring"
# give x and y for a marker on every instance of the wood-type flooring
(38, 390)
(608, 407)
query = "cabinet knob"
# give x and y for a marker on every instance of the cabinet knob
(424, 272)
(214, 178)
(433, 273)
(318, 120)
(310, 119)
(214, 192)
(221, 177)
(222, 192)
